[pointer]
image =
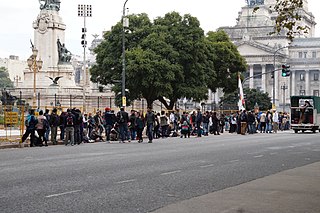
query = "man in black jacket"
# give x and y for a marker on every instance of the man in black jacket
(123, 119)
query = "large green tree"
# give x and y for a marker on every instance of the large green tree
(227, 62)
(168, 59)
(252, 97)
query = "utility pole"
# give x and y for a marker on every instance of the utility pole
(284, 87)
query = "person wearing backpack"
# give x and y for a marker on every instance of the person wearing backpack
(30, 123)
(69, 128)
(42, 127)
(123, 119)
(164, 124)
(54, 123)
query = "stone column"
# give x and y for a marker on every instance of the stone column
(293, 83)
(251, 79)
(307, 82)
(264, 78)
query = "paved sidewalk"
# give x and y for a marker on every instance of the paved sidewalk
(292, 191)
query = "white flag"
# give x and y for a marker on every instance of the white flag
(241, 102)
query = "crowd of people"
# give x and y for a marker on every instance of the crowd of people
(77, 127)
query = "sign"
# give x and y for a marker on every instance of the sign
(124, 101)
(11, 118)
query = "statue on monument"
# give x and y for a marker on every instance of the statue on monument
(63, 53)
(50, 5)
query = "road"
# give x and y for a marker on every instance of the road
(143, 177)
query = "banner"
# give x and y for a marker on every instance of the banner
(241, 102)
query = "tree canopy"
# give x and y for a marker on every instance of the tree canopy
(167, 59)
(252, 97)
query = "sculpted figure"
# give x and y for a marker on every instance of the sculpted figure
(50, 5)
(63, 53)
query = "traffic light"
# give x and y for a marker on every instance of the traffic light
(285, 70)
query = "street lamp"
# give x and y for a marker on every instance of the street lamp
(84, 11)
(274, 79)
(35, 66)
(125, 23)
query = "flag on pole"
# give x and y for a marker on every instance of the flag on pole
(241, 102)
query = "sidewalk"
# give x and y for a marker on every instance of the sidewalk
(292, 191)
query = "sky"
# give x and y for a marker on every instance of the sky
(16, 18)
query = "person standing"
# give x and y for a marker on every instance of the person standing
(69, 128)
(206, 124)
(47, 133)
(164, 124)
(109, 119)
(199, 122)
(251, 122)
(30, 123)
(42, 127)
(123, 118)
(54, 123)
(132, 124)
(244, 121)
(139, 127)
(275, 120)
(150, 120)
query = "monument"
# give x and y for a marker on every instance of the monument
(56, 77)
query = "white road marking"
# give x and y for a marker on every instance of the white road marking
(126, 181)
(307, 159)
(169, 173)
(273, 153)
(206, 166)
(64, 193)
(233, 161)
(258, 156)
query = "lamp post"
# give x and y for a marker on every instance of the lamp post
(84, 11)
(35, 66)
(274, 79)
(284, 87)
(125, 23)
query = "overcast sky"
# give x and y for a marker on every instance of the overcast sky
(16, 18)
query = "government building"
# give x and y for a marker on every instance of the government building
(265, 52)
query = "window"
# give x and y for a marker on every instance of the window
(316, 93)
(301, 76)
(300, 54)
(316, 76)
(302, 92)
(314, 54)
(305, 54)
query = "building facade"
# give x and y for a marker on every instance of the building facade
(265, 52)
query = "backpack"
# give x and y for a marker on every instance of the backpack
(46, 124)
(69, 120)
(27, 122)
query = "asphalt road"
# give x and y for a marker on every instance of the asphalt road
(143, 177)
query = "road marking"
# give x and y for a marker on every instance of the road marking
(126, 181)
(258, 156)
(170, 173)
(206, 166)
(273, 153)
(64, 193)
(307, 159)
(233, 161)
